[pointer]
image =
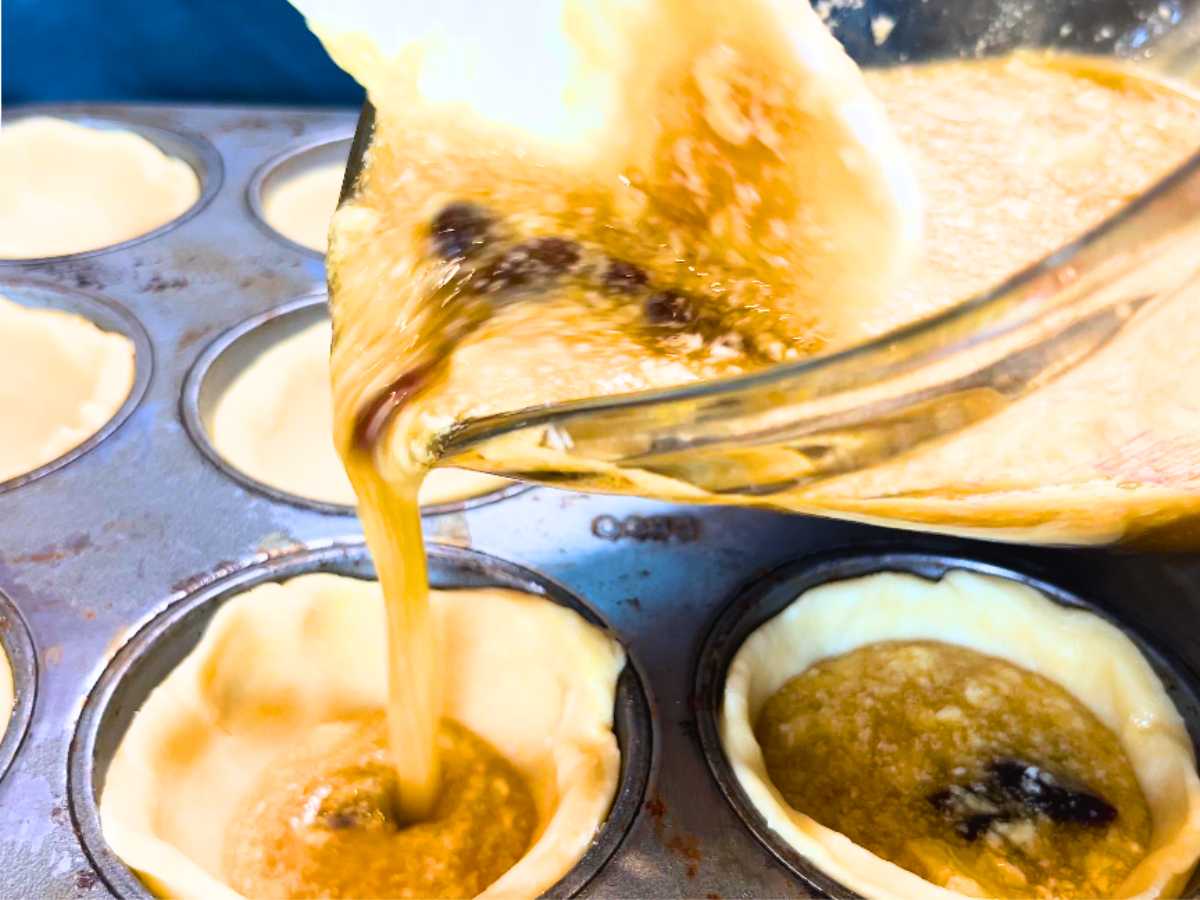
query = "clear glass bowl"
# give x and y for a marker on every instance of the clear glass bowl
(840, 434)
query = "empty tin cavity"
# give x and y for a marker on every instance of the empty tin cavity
(75, 185)
(18, 681)
(773, 595)
(258, 405)
(86, 403)
(295, 194)
(141, 664)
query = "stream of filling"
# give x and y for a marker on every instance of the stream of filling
(458, 291)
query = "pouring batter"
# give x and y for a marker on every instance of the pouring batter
(457, 227)
(701, 206)
(259, 766)
(275, 423)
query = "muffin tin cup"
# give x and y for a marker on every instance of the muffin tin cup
(17, 646)
(229, 355)
(291, 163)
(163, 643)
(107, 316)
(765, 598)
(200, 155)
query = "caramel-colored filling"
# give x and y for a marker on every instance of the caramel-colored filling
(1015, 157)
(905, 747)
(324, 822)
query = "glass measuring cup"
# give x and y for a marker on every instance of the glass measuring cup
(867, 432)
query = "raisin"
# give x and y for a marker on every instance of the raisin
(531, 263)
(460, 231)
(1041, 790)
(1015, 790)
(555, 254)
(669, 308)
(622, 277)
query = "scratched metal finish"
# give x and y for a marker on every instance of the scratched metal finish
(93, 549)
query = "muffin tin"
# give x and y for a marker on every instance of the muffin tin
(113, 557)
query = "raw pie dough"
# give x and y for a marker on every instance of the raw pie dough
(275, 423)
(529, 676)
(61, 380)
(66, 188)
(1087, 656)
(7, 698)
(300, 207)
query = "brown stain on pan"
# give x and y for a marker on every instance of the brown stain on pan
(51, 553)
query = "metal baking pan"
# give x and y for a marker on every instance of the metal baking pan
(138, 528)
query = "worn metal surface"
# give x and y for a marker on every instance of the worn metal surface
(165, 642)
(93, 550)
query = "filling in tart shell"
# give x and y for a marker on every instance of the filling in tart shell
(969, 730)
(262, 753)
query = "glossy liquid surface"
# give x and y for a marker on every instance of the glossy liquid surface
(323, 823)
(964, 768)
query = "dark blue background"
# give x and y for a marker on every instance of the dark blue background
(245, 51)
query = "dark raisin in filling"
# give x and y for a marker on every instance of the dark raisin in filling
(622, 277)
(1013, 790)
(532, 263)
(668, 308)
(460, 231)
(489, 266)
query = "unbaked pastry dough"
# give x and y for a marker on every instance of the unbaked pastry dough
(61, 379)
(275, 423)
(7, 696)
(1089, 657)
(529, 676)
(300, 207)
(66, 188)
